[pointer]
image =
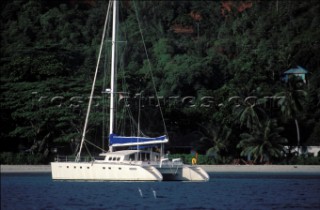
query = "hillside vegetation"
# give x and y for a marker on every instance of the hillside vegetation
(217, 67)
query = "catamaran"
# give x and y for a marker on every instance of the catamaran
(139, 161)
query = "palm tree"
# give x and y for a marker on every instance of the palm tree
(218, 138)
(263, 143)
(249, 112)
(291, 102)
(248, 115)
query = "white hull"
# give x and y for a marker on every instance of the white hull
(184, 173)
(144, 171)
(103, 172)
(128, 165)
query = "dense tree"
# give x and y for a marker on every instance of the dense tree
(222, 67)
(263, 144)
(217, 139)
(291, 103)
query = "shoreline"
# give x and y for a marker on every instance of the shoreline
(262, 168)
(25, 169)
(315, 169)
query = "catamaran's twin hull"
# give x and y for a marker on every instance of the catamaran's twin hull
(124, 172)
(183, 173)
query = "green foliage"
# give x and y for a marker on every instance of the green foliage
(303, 160)
(49, 50)
(187, 158)
(264, 143)
(291, 99)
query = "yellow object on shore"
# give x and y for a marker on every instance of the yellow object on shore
(194, 161)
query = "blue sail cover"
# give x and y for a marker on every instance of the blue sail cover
(115, 140)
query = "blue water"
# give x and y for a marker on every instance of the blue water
(224, 191)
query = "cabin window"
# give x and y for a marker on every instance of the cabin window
(104, 167)
(118, 159)
(88, 167)
(110, 158)
(109, 168)
(100, 158)
(119, 168)
(80, 167)
(114, 158)
(132, 157)
(144, 156)
(67, 166)
(74, 167)
(147, 157)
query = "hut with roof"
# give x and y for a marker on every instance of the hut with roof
(298, 72)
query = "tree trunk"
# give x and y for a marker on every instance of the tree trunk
(298, 134)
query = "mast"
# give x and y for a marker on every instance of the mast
(92, 89)
(113, 67)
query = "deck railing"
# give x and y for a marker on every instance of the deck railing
(73, 158)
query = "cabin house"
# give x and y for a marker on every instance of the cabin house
(298, 72)
(313, 151)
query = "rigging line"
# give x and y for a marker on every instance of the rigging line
(93, 85)
(123, 87)
(92, 144)
(104, 109)
(132, 122)
(88, 150)
(150, 69)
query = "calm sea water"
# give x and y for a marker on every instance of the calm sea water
(224, 191)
